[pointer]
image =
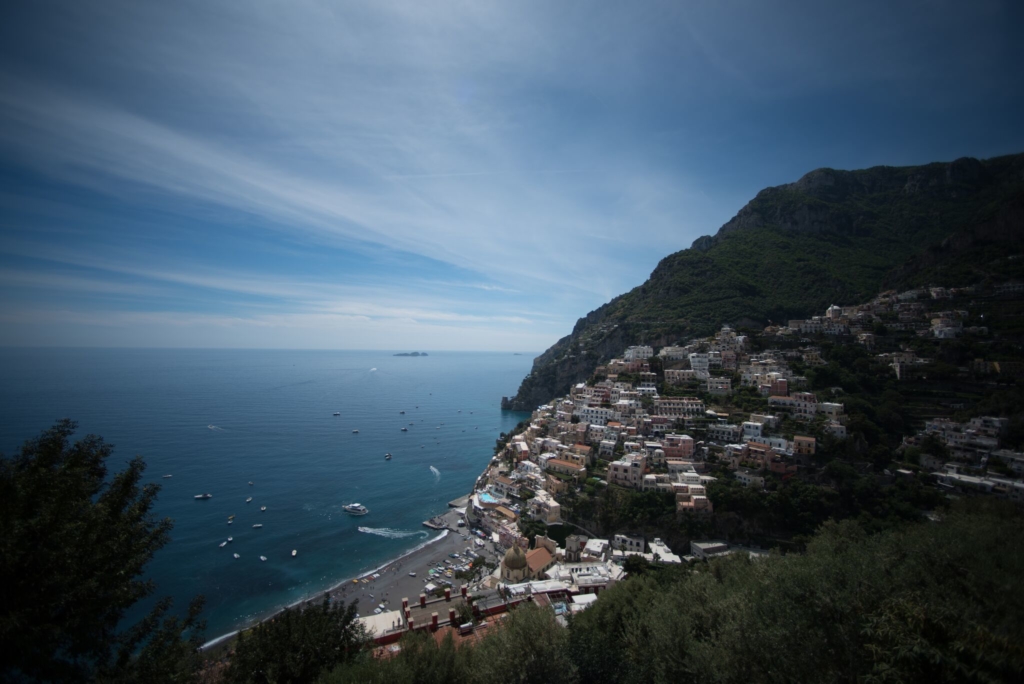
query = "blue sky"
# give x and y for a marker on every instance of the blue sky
(438, 175)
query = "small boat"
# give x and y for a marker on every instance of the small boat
(231, 517)
(337, 413)
(355, 509)
(167, 476)
(237, 556)
(405, 429)
(387, 457)
(295, 552)
(250, 483)
(263, 558)
(203, 497)
(230, 522)
(355, 432)
(263, 508)
(223, 544)
(257, 526)
(248, 500)
(231, 539)
(402, 412)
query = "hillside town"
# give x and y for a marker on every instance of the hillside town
(735, 407)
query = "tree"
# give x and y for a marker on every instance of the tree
(297, 645)
(73, 544)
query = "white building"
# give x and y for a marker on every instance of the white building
(623, 542)
(638, 353)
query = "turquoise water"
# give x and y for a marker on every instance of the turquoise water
(216, 419)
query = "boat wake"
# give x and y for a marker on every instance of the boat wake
(214, 427)
(437, 473)
(389, 533)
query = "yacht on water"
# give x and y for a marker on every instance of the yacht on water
(257, 526)
(248, 500)
(387, 457)
(167, 476)
(237, 556)
(405, 429)
(337, 413)
(223, 544)
(356, 509)
(263, 558)
(355, 432)
(203, 497)
(263, 508)
(295, 552)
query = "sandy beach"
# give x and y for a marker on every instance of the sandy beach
(394, 583)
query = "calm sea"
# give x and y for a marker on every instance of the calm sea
(217, 419)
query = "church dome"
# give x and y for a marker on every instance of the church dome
(515, 559)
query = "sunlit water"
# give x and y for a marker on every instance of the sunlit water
(216, 420)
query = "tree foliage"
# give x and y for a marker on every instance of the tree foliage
(74, 544)
(297, 645)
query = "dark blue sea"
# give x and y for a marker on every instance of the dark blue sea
(216, 419)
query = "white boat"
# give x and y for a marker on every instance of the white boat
(405, 429)
(167, 476)
(263, 558)
(250, 483)
(231, 522)
(257, 526)
(337, 413)
(387, 457)
(231, 539)
(248, 500)
(223, 544)
(355, 509)
(295, 552)
(412, 574)
(355, 432)
(263, 508)
(237, 556)
(203, 497)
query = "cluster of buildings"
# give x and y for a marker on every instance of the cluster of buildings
(923, 311)
(975, 461)
(652, 431)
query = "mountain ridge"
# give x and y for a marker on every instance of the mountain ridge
(832, 236)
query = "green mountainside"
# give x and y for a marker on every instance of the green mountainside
(831, 237)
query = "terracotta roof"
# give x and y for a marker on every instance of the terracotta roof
(538, 559)
(564, 462)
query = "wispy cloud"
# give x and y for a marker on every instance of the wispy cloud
(482, 167)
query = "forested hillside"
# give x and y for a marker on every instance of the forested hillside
(831, 237)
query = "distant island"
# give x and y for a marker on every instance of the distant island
(412, 354)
